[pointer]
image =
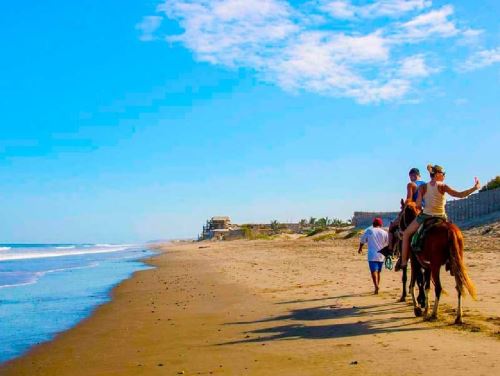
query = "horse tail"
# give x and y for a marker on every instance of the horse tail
(456, 246)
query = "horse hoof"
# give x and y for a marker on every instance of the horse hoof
(432, 318)
(418, 312)
(459, 321)
(402, 299)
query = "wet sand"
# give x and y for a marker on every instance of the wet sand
(280, 307)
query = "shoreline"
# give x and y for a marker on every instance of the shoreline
(258, 307)
(52, 294)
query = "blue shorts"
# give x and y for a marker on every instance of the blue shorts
(375, 266)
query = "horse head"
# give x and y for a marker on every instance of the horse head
(408, 213)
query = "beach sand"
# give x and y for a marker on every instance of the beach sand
(278, 307)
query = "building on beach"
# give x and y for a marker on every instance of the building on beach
(216, 228)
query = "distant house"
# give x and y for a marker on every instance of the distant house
(220, 223)
(216, 228)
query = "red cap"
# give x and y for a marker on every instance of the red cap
(378, 222)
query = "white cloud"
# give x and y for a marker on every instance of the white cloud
(470, 37)
(472, 33)
(148, 26)
(481, 59)
(339, 9)
(231, 32)
(299, 50)
(323, 62)
(435, 23)
(415, 66)
(344, 9)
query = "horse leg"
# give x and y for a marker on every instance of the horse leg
(404, 279)
(458, 320)
(437, 290)
(416, 309)
(421, 287)
(426, 283)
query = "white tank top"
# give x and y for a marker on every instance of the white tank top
(434, 200)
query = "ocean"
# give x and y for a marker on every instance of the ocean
(48, 288)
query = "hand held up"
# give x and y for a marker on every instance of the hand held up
(477, 184)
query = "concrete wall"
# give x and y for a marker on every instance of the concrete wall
(476, 206)
(365, 219)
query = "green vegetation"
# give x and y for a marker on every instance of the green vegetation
(340, 223)
(309, 227)
(315, 231)
(329, 236)
(247, 231)
(492, 184)
(319, 225)
(275, 226)
(250, 234)
(353, 233)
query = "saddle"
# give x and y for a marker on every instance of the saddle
(417, 240)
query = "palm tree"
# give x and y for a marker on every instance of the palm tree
(321, 222)
(275, 225)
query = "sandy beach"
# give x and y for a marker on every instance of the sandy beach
(277, 307)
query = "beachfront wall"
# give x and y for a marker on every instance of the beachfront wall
(365, 219)
(479, 208)
(480, 205)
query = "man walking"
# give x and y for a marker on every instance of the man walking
(377, 238)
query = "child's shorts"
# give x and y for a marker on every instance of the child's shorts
(375, 266)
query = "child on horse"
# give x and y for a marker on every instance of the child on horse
(413, 185)
(435, 200)
(411, 195)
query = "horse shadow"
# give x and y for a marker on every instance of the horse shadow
(327, 312)
(326, 298)
(367, 322)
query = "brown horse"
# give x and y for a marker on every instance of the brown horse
(443, 243)
(397, 245)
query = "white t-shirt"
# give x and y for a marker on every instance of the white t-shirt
(377, 238)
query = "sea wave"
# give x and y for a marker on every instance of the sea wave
(5, 248)
(107, 245)
(32, 278)
(58, 253)
(66, 247)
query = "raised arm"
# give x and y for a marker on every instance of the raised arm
(462, 194)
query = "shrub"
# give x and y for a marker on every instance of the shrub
(275, 226)
(492, 184)
(352, 234)
(325, 237)
(315, 231)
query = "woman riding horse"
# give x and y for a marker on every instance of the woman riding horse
(434, 195)
(443, 244)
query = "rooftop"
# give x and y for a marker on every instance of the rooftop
(221, 218)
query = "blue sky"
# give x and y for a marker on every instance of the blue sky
(137, 121)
